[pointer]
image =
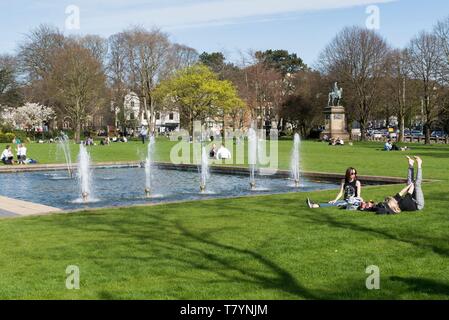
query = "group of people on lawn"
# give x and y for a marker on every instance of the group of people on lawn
(220, 153)
(410, 198)
(7, 156)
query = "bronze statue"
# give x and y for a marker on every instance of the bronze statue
(335, 96)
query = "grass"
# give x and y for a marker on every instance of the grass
(366, 157)
(265, 247)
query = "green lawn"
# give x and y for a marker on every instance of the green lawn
(366, 157)
(266, 247)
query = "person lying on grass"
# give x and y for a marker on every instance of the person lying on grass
(411, 198)
(351, 189)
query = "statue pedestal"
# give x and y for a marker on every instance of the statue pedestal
(335, 123)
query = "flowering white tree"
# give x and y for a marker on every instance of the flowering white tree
(7, 116)
(29, 116)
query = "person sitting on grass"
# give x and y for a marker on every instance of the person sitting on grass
(388, 146)
(223, 153)
(350, 187)
(7, 156)
(339, 142)
(411, 198)
(213, 151)
(21, 153)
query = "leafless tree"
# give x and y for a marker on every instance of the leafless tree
(396, 89)
(441, 31)
(117, 72)
(181, 56)
(424, 61)
(262, 89)
(147, 53)
(36, 52)
(356, 58)
(78, 81)
(97, 45)
(36, 62)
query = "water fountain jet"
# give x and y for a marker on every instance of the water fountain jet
(295, 160)
(252, 157)
(84, 174)
(204, 174)
(148, 165)
(64, 145)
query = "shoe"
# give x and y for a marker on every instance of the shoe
(312, 204)
(309, 203)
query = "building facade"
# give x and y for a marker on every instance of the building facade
(134, 116)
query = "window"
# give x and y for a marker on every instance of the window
(131, 115)
(132, 104)
(170, 116)
(158, 115)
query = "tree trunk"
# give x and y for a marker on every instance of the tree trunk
(401, 128)
(427, 133)
(78, 131)
(362, 130)
(151, 117)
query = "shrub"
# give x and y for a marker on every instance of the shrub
(22, 135)
(6, 137)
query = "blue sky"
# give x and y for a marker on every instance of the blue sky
(230, 26)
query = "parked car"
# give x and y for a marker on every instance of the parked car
(377, 134)
(416, 133)
(438, 134)
(392, 135)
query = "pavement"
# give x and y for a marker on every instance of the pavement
(13, 207)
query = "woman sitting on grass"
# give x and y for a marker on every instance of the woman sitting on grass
(351, 189)
(411, 198)
(7, 156)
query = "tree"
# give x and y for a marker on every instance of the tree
(281, 60)
(396, 87)
(36, 52)
(97, 45)
(356, 58)
(9, 88)
(198, 94)
(36, 62)
(303, 108)
(78, 80)
(147, 56)
(424, 57)
(181, 56)
(33, 115)
(214, 60)
(117, 73)
(441, 32)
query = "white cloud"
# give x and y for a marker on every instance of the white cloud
(201, 12)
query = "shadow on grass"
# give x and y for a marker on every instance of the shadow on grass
(170, 243)
(422, 285)
(418, 241)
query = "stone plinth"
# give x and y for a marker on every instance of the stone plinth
(335, 123)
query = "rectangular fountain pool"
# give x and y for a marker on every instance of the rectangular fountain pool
(125, 187)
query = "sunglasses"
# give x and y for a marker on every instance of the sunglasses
(353, 173)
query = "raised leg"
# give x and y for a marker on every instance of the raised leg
(419, 195)
(410, 172)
